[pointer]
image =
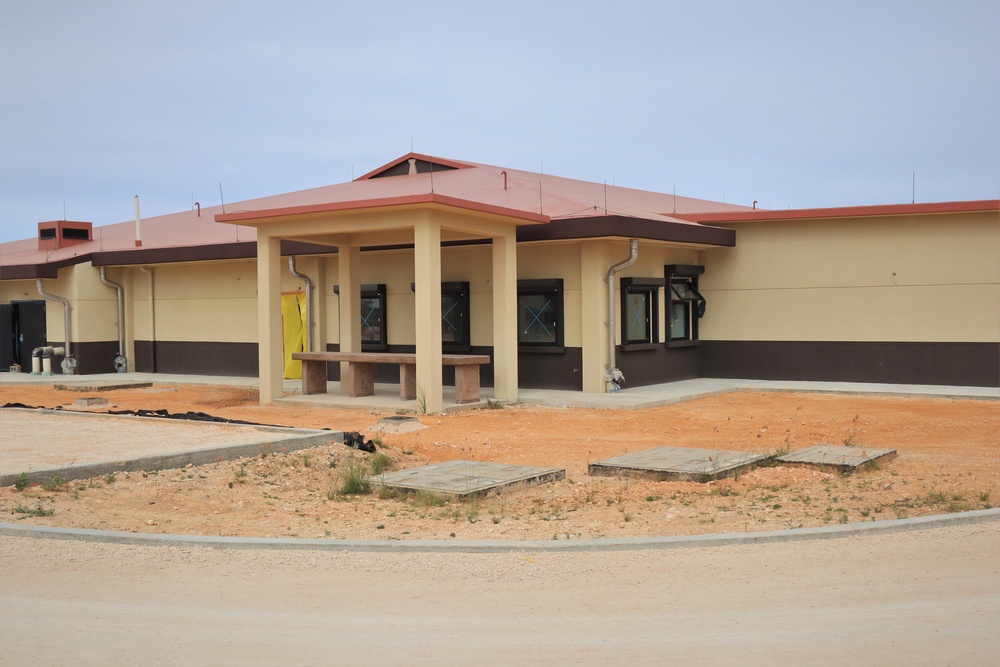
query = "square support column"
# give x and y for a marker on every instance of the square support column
(594, 263)
(427, 303)
(505, 317)
(349, 273)
(317, 268)
(269, 338)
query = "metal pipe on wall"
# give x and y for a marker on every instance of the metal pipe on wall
(68, 363)
(121, 362)
(309, 302)
(613, 375)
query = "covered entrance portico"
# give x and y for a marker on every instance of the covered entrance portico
(422, 222)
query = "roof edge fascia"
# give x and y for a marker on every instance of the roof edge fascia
(627, 227)
(251, 218)
(36, 270)
(880, 210)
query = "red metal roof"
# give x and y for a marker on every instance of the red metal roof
(550, 206)
(531, 197)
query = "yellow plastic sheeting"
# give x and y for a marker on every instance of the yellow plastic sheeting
(293, 325)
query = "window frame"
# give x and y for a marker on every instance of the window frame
(551, 289)
(687, 274)
(456, 289)
(651, 288)
(374, 291)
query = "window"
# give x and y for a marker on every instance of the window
(640, 311)
(540, 315)
(455, 315)
(373, 317)
(373, 320)
(687, 305)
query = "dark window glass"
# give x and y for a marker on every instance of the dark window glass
(374, 327)
(687, 304)
(536, 322)
(640, 310)
(540, 313)
(637, 318)
(455, 315)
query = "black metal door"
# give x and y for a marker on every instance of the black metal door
(6, 336)
(29, 330)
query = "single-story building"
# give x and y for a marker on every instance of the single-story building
(563, 283)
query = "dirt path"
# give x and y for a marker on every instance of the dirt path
(923, 597)
(949, 460)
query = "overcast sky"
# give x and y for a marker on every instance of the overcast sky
(794, 103)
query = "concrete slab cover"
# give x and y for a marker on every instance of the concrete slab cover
(841, 457)
(464, 478)
(678, 463)
(78, 445)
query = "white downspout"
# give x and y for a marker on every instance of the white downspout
(309, 302)
(152, 321)
(614, 376)
(121, 362)
(68, 363)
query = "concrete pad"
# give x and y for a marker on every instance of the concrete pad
(78, 445)
(90, 401)
(386, 397)
(467, 478)
(678, 463)
(839, 457)
(103, 385)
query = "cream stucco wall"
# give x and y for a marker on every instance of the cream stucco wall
(929, 278)
(207, 301)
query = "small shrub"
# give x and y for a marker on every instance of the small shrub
(853, 438)
(354, 479)
(21, 483)
(429, 499)
(380, 463)
(37, 510)
(55, 483)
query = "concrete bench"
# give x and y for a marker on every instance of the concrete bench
(361, 372)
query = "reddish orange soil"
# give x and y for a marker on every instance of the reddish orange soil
(949, 461)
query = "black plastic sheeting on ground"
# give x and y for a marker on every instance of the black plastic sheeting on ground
(355, 440)
(352, 439)
(188, 416)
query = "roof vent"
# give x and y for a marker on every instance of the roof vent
(412, 165)
(61, 233)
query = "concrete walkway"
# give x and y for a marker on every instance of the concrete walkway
(634, 398)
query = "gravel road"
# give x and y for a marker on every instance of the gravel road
(921, 597)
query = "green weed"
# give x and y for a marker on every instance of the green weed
(55, 483)
(380, 463)
(37, 510)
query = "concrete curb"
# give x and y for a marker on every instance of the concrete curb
(497, 546)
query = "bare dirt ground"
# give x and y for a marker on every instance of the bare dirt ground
(928, 597)
(949, 461)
